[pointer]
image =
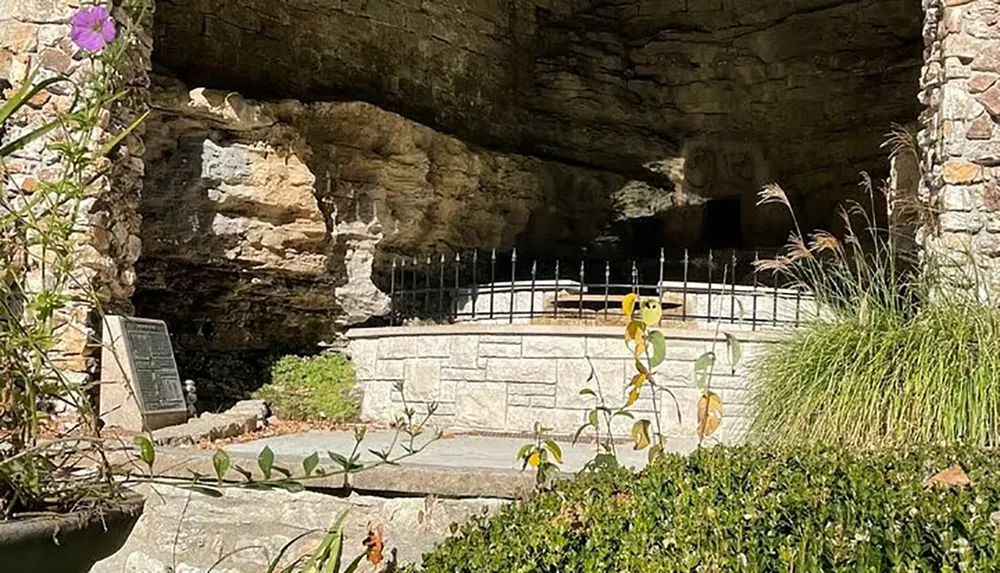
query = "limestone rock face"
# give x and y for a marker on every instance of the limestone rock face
(748, 92)
(266, 225)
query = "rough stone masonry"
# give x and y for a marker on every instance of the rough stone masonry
(34, 37)
(959, 142)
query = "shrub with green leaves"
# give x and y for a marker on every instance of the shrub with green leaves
(312, 388)
(750, 509)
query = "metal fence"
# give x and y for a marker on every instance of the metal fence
(693, 289)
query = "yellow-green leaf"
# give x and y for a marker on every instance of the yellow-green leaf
(735, 350)
(638, 380)
(659, 345)
(641, 368)
(309, 464)
(265, 460)
(633, 397)
(221, 463)
(704, 362)
(555, 449)
(634, 331)
(709, 414)
(640, 347)
(651, 311)
(524, 451)
(655, 453)
(640, 434)
(628, 304)
(147, 453)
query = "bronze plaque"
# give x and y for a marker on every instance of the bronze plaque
(154, 368)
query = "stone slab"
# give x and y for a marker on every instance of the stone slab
(521, 370)
(494, 350)
(140, 386)
(481, 405)
(422, 379)
(180, 532)
(246, 416)
(553, 347)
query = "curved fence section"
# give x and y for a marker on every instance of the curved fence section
(694, 290)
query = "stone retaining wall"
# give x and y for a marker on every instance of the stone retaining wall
(495, 378)
(185, 532)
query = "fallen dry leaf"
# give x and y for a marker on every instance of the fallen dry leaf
(374, 545)
(954, 476)
(569, 514)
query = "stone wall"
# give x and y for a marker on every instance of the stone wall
(959, 140)
(34, 36)
(493, 378)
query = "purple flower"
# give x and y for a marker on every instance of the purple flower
(93, 28)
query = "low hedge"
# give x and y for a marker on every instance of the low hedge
(748, 509)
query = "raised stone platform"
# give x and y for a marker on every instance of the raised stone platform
(504, 378)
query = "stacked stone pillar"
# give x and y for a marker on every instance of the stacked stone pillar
(960, 140)
(35, 37)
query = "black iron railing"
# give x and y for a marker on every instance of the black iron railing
(499, 287)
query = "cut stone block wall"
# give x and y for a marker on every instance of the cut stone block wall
(504, 378)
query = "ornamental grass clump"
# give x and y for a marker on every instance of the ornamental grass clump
(900, 353)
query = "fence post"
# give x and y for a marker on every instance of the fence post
(555, 300)
(534, 273)
(582, 282)
(493, 279)
(774, 302)
(475, 283)
(607, 285)
(659, 283)
(710, 264)
(753, 316)
(513, 275)
(441, 289)
(458, 268)
(427, 287)
(416, 289)
(732, 299)
(392, 293)
(684, 290)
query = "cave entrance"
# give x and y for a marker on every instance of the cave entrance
(721, 227)
(588, 133)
